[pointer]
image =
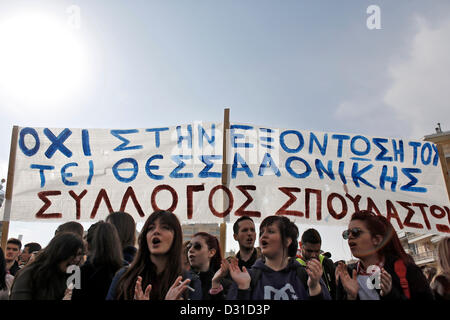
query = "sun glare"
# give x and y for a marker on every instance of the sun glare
(41, 59)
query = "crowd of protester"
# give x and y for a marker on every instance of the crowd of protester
(111, 262)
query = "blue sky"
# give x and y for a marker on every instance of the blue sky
(310, 65)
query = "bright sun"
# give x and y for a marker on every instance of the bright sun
(41, 59)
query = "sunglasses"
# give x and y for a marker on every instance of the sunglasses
(197, 246)
(355, 232)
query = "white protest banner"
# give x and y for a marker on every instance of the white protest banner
(311, 177)
(84, 174)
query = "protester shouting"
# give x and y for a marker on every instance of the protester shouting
(384, 270)
(156, 271)
(279, 276)
(205, 258)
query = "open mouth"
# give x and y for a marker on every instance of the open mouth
(352, 245)
(156, 241)
(264, 243)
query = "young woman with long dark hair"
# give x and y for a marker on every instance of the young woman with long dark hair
(156, 271)
(45, 278)
(384, 270)
(104, 260)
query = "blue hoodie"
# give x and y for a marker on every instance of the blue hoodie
(284, 284)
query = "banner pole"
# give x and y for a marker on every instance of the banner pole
(225, 182)
(9, 186)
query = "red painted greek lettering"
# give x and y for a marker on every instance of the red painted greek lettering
(331, 209)
(102, 195)
(354, 200)
(230, 201)
(190, 189)
(410, 214)
(172, 192)
(318, 194)
(422, 207)
(241, 211)
(292, 198)
(77, 199)
(130, 194)
(392, 213)
(47, 203)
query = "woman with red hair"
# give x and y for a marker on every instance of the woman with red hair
(384, 270)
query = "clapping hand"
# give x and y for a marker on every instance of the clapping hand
(221, 273)
(314, 270)
(386, 282)
(242, 278)
(350, 284)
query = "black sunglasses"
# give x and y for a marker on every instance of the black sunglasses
(355, 232)
(195, 245)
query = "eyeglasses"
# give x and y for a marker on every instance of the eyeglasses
(355, 232)
(197, 246)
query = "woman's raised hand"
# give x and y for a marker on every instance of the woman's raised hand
(138, 293)
(349, 283)
(177, 289)
(242, 278)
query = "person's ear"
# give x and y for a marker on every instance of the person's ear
(235, 237)
(211, 253)
(377, 240)
(288, 242)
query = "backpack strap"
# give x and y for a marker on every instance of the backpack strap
(400, 270)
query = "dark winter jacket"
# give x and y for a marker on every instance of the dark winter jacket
(284, 284)
(129, 253)
(417, 283)
(206, 283)
(23, 287)
(95, 282)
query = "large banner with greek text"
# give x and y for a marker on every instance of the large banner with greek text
(311, 177)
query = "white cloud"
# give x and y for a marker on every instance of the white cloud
(417, 94)
(420, 91)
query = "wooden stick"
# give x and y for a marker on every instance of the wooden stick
(225, 182)
(9, 186)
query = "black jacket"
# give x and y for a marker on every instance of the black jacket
(23, 287)
(206, 283)
(14, 268)
(95, 282)
(418, 284)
